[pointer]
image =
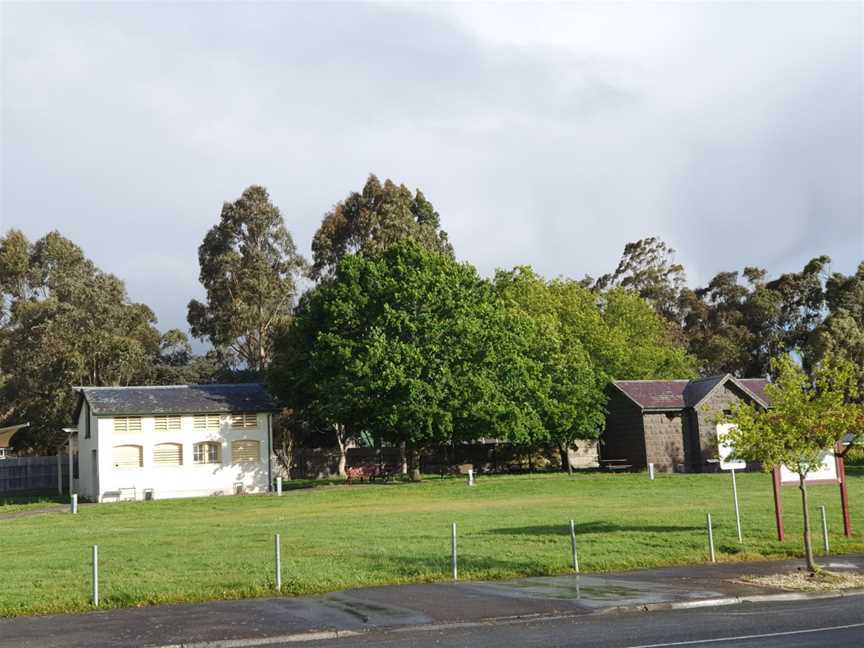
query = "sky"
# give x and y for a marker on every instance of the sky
(544, 134)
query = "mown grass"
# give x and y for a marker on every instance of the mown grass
(335, 537)
(30, 501)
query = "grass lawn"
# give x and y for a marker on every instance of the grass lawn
(28, 501)
(335, 537)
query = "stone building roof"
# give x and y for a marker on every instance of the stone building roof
(673, 395)
(175, 399)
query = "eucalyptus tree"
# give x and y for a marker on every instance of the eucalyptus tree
(249, 269)
(371, 220)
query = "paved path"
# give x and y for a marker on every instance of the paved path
(404, 606)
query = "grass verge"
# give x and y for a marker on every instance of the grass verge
(335, 537)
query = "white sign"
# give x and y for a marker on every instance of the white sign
(725, 448)
(826, 473)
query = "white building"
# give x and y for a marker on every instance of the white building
(173, 441)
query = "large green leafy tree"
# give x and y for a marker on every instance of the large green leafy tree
(374, 219)
(249, 268)
(65, 323)
(567, 387)
(408, 345)
(808, 416)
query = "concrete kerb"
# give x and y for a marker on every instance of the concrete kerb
(322, 635)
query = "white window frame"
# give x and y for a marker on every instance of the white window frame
(202, 450)
(244, 421)
(207, 422)
(167, 423)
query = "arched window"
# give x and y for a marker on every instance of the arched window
(126, 456)
(246, 451)
(206, 453)
(168, 454)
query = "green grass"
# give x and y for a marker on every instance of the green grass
(335, 537)
(30, 501)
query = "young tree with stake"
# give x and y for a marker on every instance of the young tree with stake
(808, 416)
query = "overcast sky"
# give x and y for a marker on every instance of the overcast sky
(545, 135)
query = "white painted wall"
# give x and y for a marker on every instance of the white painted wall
(186, 480)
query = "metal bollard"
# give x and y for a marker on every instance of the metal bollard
(573, 546)
(824, 529)
(73, 504)
(651, 471)
(95, 575)
(711, 540)
(278, 487)
(277, 546)
(453, 552)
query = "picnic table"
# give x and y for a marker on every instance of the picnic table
(615, 464)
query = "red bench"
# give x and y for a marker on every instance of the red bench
(368, 472)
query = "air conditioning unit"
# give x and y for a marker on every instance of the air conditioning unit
(239, 489)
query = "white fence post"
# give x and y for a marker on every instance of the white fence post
(277, 546)
(711, 540)
(278, 487)
(73, 503)
(824, 529)
(95, 575)
(573, 546)
(453, 552)
(651, 471)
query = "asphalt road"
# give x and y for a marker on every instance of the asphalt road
(836, 623)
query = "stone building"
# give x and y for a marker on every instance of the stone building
(672, 423)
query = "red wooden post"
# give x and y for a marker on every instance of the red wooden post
(778, 504)
(844, 496)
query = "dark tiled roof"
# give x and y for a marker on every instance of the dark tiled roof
(756, 386)
(178, 399)
(655, 394)
(679, 394)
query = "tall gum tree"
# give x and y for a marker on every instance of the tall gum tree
(371, 220)
(249, 269)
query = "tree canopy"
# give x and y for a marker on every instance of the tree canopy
(408, 344)
(374, 219)
(67, 323)
(249, 269)
(809, 415)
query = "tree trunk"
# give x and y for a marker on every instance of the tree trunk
(564, 451)
(403, 460)
(808, 540)
(414, 462)
(341, 443)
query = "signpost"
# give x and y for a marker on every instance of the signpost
(830, 471)
(725, 450)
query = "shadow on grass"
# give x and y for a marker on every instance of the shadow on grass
(592, 527)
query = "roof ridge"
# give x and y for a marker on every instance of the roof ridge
(653, 380)
(100, 387)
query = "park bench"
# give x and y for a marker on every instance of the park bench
(613, 465)
(368, 472)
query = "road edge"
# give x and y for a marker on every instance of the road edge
(322, 635)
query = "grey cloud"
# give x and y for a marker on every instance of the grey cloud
(734, 133)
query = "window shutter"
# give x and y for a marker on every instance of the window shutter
(245, 451)
(127, 424)
(126, 456)
(167, 423)
(168, 454)
(244, 421)
(206, 422)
